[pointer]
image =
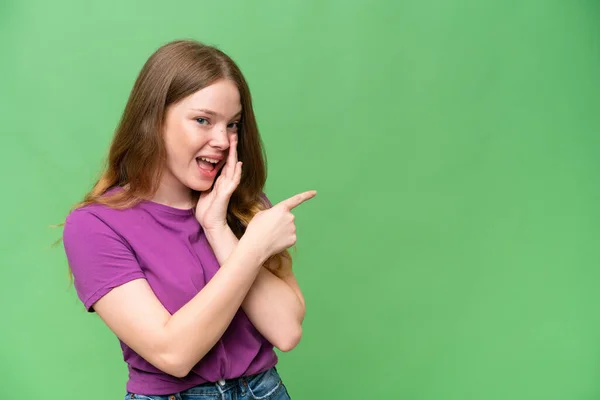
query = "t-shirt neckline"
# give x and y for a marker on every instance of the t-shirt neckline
(167, 209)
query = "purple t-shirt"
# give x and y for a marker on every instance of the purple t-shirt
(166, 246)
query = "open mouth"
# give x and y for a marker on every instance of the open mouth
(207, 164)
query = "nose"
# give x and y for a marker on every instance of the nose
(219, 138)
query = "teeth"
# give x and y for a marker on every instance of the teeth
(210, 160)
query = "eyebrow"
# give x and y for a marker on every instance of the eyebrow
(210, 112)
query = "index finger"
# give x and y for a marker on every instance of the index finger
(298, 199)
(232, 156)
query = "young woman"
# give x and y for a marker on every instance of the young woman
(177, 248)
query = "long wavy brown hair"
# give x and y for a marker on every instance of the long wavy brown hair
(137, 154)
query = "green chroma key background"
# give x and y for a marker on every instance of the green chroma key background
(452, 251)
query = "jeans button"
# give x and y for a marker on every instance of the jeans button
(222, 382)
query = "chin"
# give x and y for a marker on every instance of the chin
(199, 186)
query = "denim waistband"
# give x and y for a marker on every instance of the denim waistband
(262, 383)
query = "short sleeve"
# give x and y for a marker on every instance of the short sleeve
(99, 258)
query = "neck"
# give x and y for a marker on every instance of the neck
(173, 194)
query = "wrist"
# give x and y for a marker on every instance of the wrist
(252, 250)
(214, 233)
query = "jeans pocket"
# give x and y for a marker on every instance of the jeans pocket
(134, 396)
(266, 385)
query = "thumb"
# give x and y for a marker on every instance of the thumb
(298, 199)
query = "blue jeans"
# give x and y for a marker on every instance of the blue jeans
(264, 386)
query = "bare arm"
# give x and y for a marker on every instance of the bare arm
(175, 343)
(274, 305)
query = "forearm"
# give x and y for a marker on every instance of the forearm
(222, 241)
(275, 310)
(175, 343)
(272, 305)
(195, 328)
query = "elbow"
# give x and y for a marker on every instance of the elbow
(290, 340)
(174, 359)
(173, 365)
(178, 371)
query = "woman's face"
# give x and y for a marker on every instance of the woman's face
(198, 131)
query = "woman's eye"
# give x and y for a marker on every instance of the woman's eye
(202, 121)
(233, 125)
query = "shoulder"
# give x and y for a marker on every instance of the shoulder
(88, 216)
(92, 239)
(84, 218)
(84, 228)
(94, 220)
(99, 256)
(93, 213)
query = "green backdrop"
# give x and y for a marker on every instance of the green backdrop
(452, 250)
